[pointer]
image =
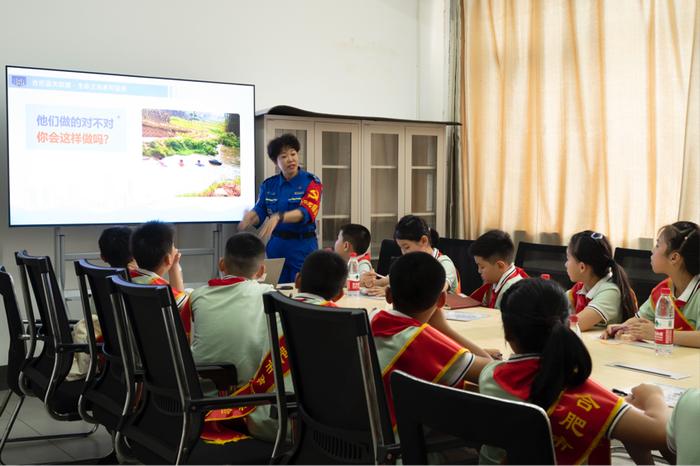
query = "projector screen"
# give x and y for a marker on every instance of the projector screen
(89, 148)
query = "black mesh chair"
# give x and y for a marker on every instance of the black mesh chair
(458, 251)
(341, 408)
(42, 375)
(637, 264)
(106, 397)
(389, 251)
(537, 259)
(166, 426)
(522, 429)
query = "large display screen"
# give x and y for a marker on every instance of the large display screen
(92, 148)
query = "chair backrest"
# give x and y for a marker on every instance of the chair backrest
(389, 251)
(522, 429)
(37, 272)
(110, 386)
(161, 424)
(17, 347)
(537, 259)
(337, 381)
(458, 251)
(96, 278)
(637, 264)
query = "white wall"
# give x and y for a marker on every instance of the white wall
(365, 57)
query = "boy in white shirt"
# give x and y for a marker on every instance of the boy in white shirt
(356, 238)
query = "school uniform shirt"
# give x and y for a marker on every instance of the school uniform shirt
(182, 297)
(688, 303)
(593, 401)
(364, 262)
(604, 298)
(230, 327)
(490, 295)
(451, 275)
(682, 428)
(418, 349)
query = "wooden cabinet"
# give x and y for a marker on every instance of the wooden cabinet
(374, 171)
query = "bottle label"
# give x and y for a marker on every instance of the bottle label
(663, 336)
(353, 285)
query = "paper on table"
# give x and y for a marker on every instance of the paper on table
(464, 316)
(649, 370)
(671, 393)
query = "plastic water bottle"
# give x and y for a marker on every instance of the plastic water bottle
(545, 276)
(573, 325)
(663, 324)
(353, 276)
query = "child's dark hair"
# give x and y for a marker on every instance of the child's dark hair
(413, 228)
(683, 237)
(357, 235)
(416, 281)
(114, 246)
(244, 254)
(323, 273)
(535, 314)
(494, 245)
(595, 250)
(275, 147)
(151, 242)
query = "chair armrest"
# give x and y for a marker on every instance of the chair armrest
(223, 375)
(222, 402)
(292, 406)
(73, 347)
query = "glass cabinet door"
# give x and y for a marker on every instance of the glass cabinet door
(423, 176)
(337, 164)
(384, 202)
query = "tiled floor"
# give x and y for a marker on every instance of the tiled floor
(34, 420)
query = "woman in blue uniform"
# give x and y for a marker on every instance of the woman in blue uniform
(287, 207)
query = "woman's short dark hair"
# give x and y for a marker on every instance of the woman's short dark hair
(277, 145)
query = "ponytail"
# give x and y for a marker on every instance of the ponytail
(434, 237)
(595, 250)
(565, 362)
(684, 237)
(628, 300)
(535, 316)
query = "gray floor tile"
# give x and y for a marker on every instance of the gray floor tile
(31, 452)
(96, 445)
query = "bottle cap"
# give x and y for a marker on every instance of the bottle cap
(573, 319)
(353, 254)
(545, 276)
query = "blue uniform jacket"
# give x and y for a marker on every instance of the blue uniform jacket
(279, 195)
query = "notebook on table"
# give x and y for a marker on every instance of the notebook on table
(459, 301)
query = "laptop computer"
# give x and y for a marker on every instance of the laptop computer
(273, 270)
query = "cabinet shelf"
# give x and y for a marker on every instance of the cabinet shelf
(384, 167)
(336, 167)
(384, 215)
(335, 216)
(423, 167)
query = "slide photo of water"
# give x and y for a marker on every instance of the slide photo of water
(197, 154)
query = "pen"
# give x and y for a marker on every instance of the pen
(619, 392)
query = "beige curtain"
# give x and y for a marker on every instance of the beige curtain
(580, 114)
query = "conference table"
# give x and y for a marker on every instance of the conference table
(486, 330)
